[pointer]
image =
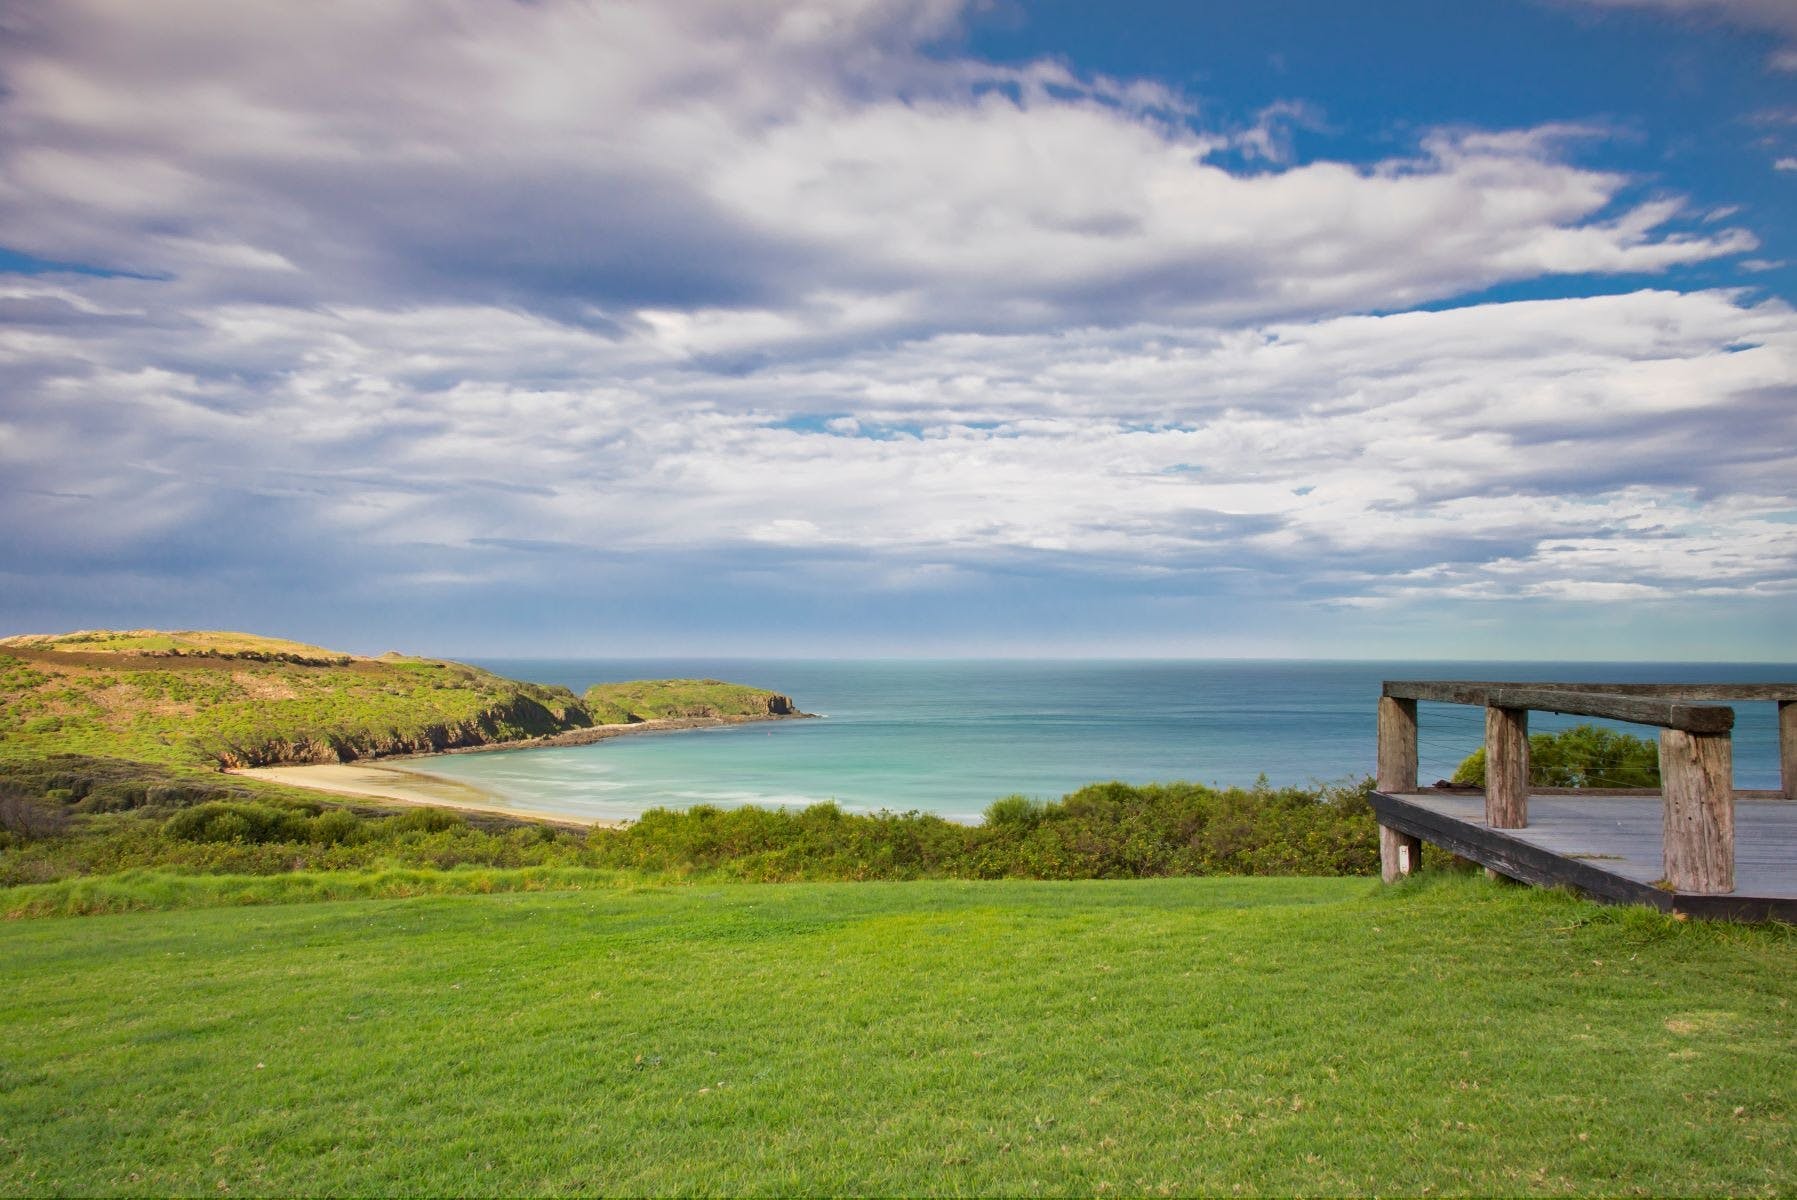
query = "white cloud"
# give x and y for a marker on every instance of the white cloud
(1639, 439)
(801, 164)
(476, 292)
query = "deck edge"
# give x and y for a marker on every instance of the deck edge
(1513, 857)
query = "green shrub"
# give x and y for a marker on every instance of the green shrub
(335, 827)
(225, 821)
(1015, 809)
(1107, 830)
(1583, 756)
(424, 820)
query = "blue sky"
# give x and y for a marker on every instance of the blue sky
(905, 327)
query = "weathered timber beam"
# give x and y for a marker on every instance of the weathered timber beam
(1472, 691)
(1667, 714)
(1687, 691)
(1570, 699)
(1445, 691)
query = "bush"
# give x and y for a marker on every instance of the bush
(1015, 809)
(1106, 830)
(223, 821)
(424, 820)
(1583, 756)
(28, 820)
(336, 827)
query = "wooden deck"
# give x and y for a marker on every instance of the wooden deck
(1609, 846)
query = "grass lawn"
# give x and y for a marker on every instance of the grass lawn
(1153, 1036)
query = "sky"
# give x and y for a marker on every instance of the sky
(1248, 328)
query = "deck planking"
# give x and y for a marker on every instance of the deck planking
(1609, 846)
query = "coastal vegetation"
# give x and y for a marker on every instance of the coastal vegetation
(68, 819)
(111, 744)
(1175, 1036)
(1585, 756)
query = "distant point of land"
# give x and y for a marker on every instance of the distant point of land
(224, 700)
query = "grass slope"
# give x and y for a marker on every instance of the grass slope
(1141, 1037)
(199, 699)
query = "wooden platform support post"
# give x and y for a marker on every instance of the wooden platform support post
(1506, 767)
(1397, 746)
(1697, 779)
(1787, 747)
(1399, 854)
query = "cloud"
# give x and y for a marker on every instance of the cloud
(803, 164)
(1346, 457)
(1777, 17)
(603, 299)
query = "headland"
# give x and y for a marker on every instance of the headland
(228, 701)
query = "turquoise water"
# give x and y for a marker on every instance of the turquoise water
(951, 737)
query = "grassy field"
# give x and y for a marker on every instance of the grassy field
(1132, 1037)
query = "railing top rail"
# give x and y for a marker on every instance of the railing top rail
(1398, 689)
(1646, 704)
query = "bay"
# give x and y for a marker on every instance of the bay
(949, 737)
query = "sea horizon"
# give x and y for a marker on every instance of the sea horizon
(950, 736)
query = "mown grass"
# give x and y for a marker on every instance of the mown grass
(1292, 1036)
(144, 890)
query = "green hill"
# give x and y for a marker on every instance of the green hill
(220, 699)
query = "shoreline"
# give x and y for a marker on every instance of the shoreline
(600, 733)
(379, 779)
(376, 781)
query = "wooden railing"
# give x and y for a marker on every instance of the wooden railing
(1696, 759)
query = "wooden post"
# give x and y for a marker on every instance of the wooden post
(1506, 767)
(1787, 747)
(1698, 829)
(1399, 854)
(1397, 746)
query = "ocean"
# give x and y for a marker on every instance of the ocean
(949, 737)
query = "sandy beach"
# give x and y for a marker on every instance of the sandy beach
(380, 782)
